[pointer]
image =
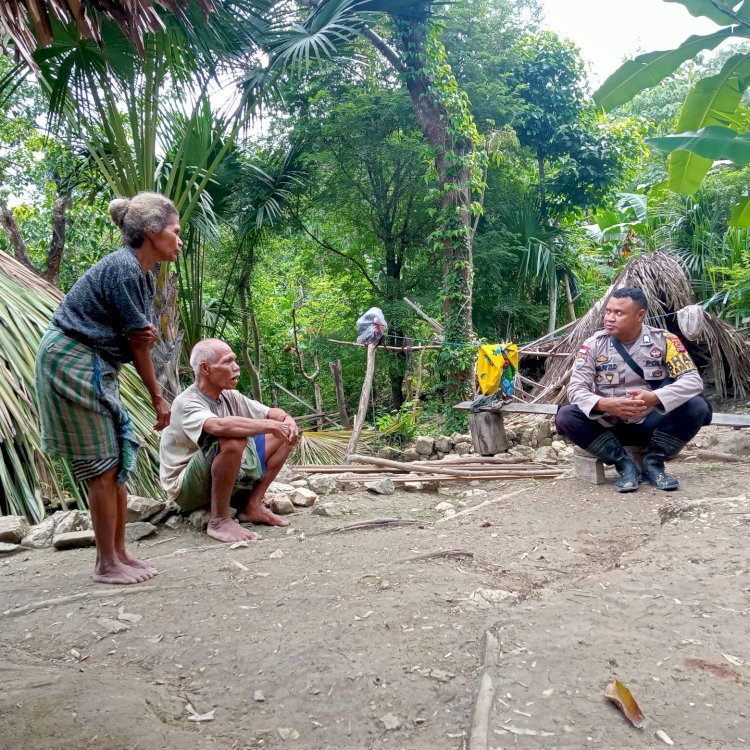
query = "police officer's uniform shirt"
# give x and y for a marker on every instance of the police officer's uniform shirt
(600, 372)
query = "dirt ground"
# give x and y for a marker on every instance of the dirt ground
(361, 639)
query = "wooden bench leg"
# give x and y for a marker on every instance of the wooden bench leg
(487, 432)
(588, 467)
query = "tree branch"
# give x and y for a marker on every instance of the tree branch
(8, 223)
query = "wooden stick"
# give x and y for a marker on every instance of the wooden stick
(421, 348)
(364, 400)
(375, 523)
(117, 591)
(452, 553)
(482, 505)
(717, 456)
(376, 461)
(480, 722)
(445, 478)
(437, 327)
(304, 403)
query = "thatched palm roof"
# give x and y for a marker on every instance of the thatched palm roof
(721, 352)
(26, 474)
(29, 22)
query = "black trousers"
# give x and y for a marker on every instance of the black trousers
(681, 423)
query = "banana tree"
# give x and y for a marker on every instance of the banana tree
(711, 125)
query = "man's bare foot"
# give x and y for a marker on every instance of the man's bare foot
(227, 530)
(139, 565)
(115, 573)
(261, 514)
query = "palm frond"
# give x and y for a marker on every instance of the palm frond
(330, 447)
(26, 474)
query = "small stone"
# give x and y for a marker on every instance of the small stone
(74, 539)
(282, 505)
(286, 474)
(300, 483)
(443, 444)
(112, 626)
(13, 529)
(142, 508)
(410, 454)
(280, 487)
(545, 455)
(390, 722)
(173, 522)
(258, 696)
(424, 445)
(67, 521)
(389, 453)
(303, 497)
(138, 530)
(40, 536)
(199, 519)
(286, 733)
(442, 507)
(327, 509)
(468, 494)
(521, 450)
(415, 486)
(276, 555)
(383, 486)
(457, 438)
(6, 548)
(462, 449)
(322, 484)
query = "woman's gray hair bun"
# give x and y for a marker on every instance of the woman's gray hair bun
(145, 212)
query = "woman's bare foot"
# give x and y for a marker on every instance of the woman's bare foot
(224, 529)
(116, 573)
(140, 566)
(261, 514)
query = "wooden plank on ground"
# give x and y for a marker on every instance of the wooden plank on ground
(516, 408)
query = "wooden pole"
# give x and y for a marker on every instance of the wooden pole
(338, 382)
(569, 297)
(364, 400)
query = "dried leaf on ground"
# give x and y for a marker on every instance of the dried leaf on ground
(624, 700)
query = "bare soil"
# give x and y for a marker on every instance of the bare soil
(377, 638)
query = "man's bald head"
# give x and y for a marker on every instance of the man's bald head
(208, 350)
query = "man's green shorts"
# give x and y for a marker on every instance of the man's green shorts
(195, 491)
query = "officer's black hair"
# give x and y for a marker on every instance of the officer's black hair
(634, 293)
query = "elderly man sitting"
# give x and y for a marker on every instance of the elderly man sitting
(223, 448)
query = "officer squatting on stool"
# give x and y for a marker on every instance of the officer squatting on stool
(633, 384)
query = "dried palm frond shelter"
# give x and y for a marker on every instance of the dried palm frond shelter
(26, 474)
(721, 352)
(29, 23)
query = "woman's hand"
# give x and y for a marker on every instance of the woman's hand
(163, 412)
(143, 336)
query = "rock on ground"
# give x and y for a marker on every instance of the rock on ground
(322, 484)
(199, 519)
(6, 548)
(328, 509)
(142, 508)
(281, 504)
(74, 539)
(410, 454)
(383, 486)
(13, 529)
(462, 449)
(303, 497)
(389, 453)
(138, 530)
(424, 445)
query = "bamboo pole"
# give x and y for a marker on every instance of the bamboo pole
(364, 400)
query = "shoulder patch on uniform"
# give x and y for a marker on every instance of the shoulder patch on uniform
(678, 345)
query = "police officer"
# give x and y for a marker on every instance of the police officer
(633, 384)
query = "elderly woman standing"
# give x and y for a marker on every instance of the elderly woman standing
(104, 322)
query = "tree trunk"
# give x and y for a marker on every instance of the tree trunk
(166, 353)
(449, 133)
(364, 401)
(338, 382)
(569, 298)
(57, 246)
(542, 187)
(249, 321)
(8, 223)
(553, 303)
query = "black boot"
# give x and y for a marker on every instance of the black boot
(609, 449)
(661, 448)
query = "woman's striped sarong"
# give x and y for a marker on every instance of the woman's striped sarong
(81, 414)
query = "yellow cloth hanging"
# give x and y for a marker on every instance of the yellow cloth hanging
(497, 365)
